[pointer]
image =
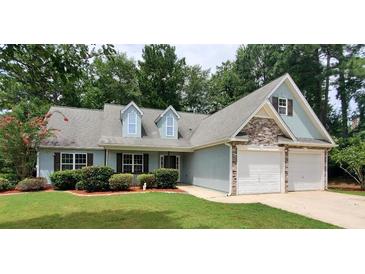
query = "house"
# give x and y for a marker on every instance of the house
(269, 141)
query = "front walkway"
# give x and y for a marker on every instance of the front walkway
(343, 210)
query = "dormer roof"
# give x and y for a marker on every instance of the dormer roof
(165, 111)
(130, 105)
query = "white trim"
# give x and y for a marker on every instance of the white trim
(307, 144)
(286, 106)
(71, 148)
(165, 111)
(146, 148)
(73, 159)
(129, 105)
(38, 167)
(259, 148)
(132, 164)
(307, 107)
(173, 126)
(130, 123)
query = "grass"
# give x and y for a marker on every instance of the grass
(145, 210)
(359, 193)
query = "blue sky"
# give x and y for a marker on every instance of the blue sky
(207, 55)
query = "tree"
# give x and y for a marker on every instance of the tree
(113, 80)
(195, 90)
(351, 158)
(55, 74)
(21, 132)
(225, 86)
(161, 76)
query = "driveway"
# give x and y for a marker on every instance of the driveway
(343, 210)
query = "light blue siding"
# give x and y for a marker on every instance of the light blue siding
(162, 125)
(300, 123)
(125, 133)
(208, 167)
(46, 159)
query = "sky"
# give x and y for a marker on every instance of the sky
(209, 56)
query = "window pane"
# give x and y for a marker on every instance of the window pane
(170, 121)
(67, 158)
(169, 131)
(79, 166)
(282, 110)
(127, 168)
(132, 117)
(138, 169)
(127, 159)
(282, 102)
(138, 159)
(66, 167)
(80, 159)
(132, 128)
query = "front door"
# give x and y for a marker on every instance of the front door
(170, 161)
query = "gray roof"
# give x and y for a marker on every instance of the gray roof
(96, 128)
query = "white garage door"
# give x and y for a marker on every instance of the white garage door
(305, 170)
(258, 171)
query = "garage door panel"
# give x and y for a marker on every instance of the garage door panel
(305, 171)
(259, 172)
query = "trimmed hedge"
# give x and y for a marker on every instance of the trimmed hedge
(66, 179)
(95, 178)
(121, 181)
(79, 186)
(166, 177)
(32, 184)
(5, 185)
(149, 179)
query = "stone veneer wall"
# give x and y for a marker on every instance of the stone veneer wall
(262, 131)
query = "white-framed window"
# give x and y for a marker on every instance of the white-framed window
(132, 122)
(70, 161)
(170, 126)
(283, 106)
(132, 163)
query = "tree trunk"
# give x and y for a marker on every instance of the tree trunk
(344, 104)
(324, 109)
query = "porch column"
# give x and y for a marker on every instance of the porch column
(286, 167)
(325, 169)
(234, 169)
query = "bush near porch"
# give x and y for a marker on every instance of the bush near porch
(96, 178)
(120, 182)
(166, 177)
(66, 179)
(148, 179)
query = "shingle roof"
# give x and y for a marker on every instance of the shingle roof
(96, 128)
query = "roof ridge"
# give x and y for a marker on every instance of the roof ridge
(90, 109)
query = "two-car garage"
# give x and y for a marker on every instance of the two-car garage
(262, 170)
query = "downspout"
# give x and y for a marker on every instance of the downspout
(38, 167)
(230, 169)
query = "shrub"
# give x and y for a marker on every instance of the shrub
(120, 181)
(95, 178)
(65, 179)
(149, 179)
(11, 177)
(32, 184)
(5, 185)
(166, 177)
(79, 186)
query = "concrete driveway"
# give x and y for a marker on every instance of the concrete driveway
(343, 210)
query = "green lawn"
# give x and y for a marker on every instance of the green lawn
(359, 193)
(144, 210)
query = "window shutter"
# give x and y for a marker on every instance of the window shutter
(145, 163)
(290, 107)
(57, 161)
(119, 162)
(90, 159)
(275, 103)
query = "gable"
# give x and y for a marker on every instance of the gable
(300, 122)
(161, 124)
(131, 110)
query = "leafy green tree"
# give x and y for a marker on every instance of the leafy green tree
(195, 90)
(225, 86)
(161, 76)
(350, 156)
(113, 80)
(55, 74)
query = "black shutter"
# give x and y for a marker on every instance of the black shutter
(56, 161)
(119, 162)
(290, 107)
(90, 159)
(275, 103)
(145, 163)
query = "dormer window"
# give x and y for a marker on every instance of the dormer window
(170, 126)
(283, 106)
(132, 122)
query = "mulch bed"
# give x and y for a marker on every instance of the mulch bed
(343, 184)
